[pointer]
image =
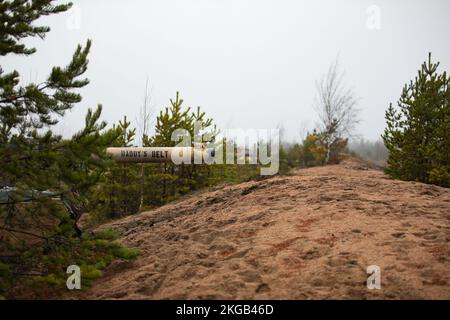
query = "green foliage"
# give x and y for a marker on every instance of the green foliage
(331, 143)
(127, 188)
(418, 131)
(317, 149)
(17, 19)
(171, 118)
(91, 252)
(116, 194)
(167, 181)
(440, 176)
(50, 180)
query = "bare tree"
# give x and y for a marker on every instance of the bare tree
(337, 108)
(143, 124)
(144, 116)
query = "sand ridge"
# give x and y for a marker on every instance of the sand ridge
(306, 236)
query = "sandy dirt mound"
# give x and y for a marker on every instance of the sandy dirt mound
(307, 236)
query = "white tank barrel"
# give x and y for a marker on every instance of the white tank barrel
(176, 155)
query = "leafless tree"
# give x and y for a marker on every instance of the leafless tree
(143, 123)
(143, 120)
(336, 105)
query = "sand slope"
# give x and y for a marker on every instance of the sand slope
(307, 236)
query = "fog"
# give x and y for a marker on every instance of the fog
(247, 63)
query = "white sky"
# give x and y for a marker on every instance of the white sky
(247, 63)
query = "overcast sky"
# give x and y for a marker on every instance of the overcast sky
(247, 63)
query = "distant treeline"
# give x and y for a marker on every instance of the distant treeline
(369, 150)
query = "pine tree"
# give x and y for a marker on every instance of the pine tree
(47, 180)
(117, 194)
(172, 180)
(418, 131)
(171, 118)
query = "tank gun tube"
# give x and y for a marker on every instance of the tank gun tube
(176, 155)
